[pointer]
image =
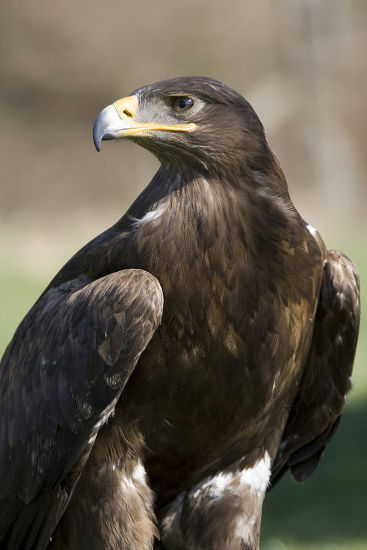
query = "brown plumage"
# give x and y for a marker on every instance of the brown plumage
(125, 422)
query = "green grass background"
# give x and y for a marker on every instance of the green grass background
(329, 512)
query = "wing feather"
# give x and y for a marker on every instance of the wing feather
(326, 381)
(60, 378)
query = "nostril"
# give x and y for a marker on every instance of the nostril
(127, 112)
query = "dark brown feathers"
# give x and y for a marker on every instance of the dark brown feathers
(60, 379)
(123, 422)
(326, 380)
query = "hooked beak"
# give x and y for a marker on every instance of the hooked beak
(119, 120)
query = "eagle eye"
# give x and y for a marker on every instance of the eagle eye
(182, 104)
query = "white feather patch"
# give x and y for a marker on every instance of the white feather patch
(312, 230)
(151, 216)
(139, 473)
(256, 478)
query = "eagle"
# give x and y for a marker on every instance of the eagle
(184, 359)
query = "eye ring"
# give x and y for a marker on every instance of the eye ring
(182, 104)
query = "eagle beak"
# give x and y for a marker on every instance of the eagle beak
(119, 120)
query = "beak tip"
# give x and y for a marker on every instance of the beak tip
(97, 135)
(106, 126)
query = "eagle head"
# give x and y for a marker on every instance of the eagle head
(195, 120)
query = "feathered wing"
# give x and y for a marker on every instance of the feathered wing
(326, 380)
(60, 379)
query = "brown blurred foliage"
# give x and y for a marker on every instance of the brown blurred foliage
(301, 63)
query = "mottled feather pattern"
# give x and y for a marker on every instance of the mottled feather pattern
(100, 329)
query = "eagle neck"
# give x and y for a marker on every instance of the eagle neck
(204, 216)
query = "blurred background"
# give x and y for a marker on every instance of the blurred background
(302, 65)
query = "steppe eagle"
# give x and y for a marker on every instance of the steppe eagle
(185, 358)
